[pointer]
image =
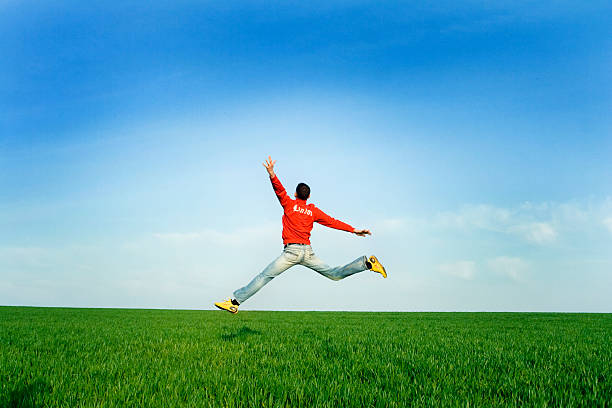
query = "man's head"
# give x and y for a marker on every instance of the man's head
(302, 191)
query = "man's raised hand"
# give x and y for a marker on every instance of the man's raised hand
(362, 232)
(269, 165)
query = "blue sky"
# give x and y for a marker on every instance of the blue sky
(474, 139)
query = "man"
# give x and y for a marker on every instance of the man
(298, 219)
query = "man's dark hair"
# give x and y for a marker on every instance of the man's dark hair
(303, 191)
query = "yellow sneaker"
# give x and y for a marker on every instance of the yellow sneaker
(377, 266)
(227, 305)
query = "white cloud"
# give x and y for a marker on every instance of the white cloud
(237, 237)
(511, 267)
(608, 223)
(392, 224)
(535, 232)
(178, 236)
(460, 269)
(536, 223)
(475, 216)
(19, 258)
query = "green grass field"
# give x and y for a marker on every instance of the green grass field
(121, 357)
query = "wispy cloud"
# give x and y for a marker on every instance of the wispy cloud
(527, 222)
(534, 223)
(512, 267)
(31, 256)
(475, 216)
(460, 269)
(535, 232)
(239, 236)
(178, 236)
(608, 223)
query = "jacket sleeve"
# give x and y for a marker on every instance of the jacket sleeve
(280, 191)
(324, 219)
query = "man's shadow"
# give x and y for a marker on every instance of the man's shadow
(242, 332)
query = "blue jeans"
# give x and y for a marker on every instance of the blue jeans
(295, 254)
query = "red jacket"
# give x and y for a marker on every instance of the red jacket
(299, 217)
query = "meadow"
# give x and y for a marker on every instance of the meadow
(125, 357)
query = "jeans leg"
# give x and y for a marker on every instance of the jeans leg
(285, 261)
(338, 272)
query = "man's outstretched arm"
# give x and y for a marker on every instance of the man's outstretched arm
(276, 184)
(324, 219)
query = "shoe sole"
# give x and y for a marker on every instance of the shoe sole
(384, 272)
(228, 310)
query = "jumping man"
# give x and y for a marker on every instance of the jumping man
(298, 219)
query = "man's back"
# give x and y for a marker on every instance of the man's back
(298, 217)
